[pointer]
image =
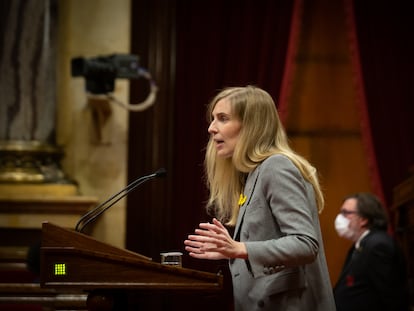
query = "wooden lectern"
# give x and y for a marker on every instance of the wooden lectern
(112, 276)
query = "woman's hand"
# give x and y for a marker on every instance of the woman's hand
(213, 241)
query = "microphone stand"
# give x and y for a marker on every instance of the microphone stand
(93, 214)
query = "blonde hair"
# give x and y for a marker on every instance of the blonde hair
(261, 136)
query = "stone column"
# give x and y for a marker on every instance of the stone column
(28, 33)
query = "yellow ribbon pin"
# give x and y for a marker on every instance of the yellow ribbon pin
(242, 199)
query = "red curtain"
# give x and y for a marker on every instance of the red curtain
(383, 49)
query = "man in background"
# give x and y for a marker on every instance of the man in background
(374, 273)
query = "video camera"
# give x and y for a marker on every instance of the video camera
(100, 72)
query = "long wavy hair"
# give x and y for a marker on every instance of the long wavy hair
(261, 136)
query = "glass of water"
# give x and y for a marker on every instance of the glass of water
(172, 258)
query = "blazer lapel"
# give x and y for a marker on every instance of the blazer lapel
(248, 191)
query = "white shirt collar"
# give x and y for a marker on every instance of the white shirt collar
(358, 242)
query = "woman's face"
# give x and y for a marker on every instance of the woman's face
(224, 128)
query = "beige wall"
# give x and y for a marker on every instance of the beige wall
(89, 29)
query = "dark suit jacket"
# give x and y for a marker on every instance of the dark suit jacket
(373, 276)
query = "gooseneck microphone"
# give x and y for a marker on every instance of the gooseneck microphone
(93, 214)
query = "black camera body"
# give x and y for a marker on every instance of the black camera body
(100, 72)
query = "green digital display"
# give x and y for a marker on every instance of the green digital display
(60, 269)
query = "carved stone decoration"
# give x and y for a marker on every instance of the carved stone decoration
(30, 161)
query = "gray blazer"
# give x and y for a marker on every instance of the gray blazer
(279, 223)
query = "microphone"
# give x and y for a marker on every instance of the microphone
(99, 209)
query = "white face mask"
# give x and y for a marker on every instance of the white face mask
(342, 227)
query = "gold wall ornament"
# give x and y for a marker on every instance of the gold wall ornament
(30, 162)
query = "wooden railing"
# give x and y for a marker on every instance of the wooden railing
(30, 296)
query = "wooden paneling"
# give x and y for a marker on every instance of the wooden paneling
(403, 215)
